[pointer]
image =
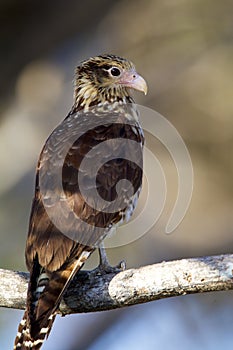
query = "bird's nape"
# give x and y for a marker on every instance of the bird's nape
(106, 78)
(102, 88)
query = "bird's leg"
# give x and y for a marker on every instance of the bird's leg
(104, 264)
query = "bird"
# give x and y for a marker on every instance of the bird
(66, 224)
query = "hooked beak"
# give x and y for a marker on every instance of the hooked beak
(134, 81)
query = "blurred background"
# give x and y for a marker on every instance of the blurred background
(184, 50)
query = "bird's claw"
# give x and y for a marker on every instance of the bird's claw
(105, 267)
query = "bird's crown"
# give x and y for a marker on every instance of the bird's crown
(106, 78)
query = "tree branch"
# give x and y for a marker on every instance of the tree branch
(91, 291)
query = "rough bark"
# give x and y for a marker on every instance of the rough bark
(94, 291)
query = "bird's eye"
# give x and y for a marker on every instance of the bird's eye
(115, 71)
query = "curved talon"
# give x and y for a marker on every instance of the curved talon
(104, 265)
(121, 265)
(107, 268)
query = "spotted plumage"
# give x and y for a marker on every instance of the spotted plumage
(58, 245)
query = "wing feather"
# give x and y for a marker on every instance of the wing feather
(46, 240)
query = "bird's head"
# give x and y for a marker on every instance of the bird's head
(106, 78)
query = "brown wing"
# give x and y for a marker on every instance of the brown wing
(45, 239)
(60, 239)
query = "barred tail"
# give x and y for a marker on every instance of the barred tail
(44, 297)
(23, 340)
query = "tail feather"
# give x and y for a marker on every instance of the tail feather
(43, 303)
(24, 341)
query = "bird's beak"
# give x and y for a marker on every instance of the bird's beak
(134, 81)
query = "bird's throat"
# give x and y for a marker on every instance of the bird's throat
(86, 95)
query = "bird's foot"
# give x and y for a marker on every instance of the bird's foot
(105, 267)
